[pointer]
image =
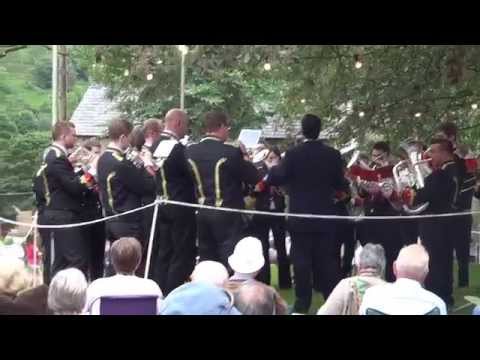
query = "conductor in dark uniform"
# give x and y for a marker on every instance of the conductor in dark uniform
(175, 259)
(312, 173)
(64, 194)
(122, 186)
(219, 171)
(437, 234)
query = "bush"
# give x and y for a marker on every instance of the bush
(42, 74)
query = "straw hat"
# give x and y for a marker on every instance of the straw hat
(247, 258)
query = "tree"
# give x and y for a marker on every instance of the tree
(365, 92)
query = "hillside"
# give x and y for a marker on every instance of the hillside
(25, 84)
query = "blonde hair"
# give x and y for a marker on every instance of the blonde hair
(14, 277)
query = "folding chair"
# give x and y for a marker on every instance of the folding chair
(128, 305)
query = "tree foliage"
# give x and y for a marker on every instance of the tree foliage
(397, 92)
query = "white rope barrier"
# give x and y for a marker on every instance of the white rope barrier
(16, 194)
(243, 211)
(85, 223)
(150, 240)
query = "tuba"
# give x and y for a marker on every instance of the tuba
(412, 171)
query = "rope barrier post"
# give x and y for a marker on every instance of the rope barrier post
(150, 240)
(35, 242)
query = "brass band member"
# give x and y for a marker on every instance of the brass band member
(219, 171)
(377, 196)
(122, 185)
(64, 194)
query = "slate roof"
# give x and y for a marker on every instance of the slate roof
(92, 115)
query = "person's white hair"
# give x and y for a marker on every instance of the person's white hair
(67, 292)
(412, 263)
(211, 272)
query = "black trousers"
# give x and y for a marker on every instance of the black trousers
(117, 229)
(176, 255)
(409, 231)
(313, 256)
(345, 235)
(218, 233)
(95, 238)
(261, 226)
(461, 244)
(386, 233)
(437, 237)
(46, 238)
(70, 248)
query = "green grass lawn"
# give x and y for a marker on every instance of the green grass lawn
(459, 294)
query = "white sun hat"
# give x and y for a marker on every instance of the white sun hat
(247, 258)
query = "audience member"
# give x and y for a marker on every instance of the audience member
(67, 293)
(406, 296)
(255, 298)
(210, 272)
(347, 296)
(126, 256)
(246, 261)
(199, 298)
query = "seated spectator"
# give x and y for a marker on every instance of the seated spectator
(34, 301)
(210, 272)
(347, 296)
(14, 278)
(67, 293)
(198, 298)
(126, 256)
(405, 296)
(255, 298)
(246, 261)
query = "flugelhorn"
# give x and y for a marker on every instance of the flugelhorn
(411, 172)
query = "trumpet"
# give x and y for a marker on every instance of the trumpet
(82, 157)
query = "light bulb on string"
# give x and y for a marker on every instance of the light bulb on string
(474, 106)
(183, 49)
(361, 114)
(267, 67)
(149, 77)
(159, 62)
(417, 115)
(126, 73)
(358, 61)
(303, 101)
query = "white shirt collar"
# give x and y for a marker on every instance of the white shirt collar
(61, 147)
(408, 282)
(170, 133)
(211, 137)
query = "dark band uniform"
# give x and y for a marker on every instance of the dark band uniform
(122, 186)
(271, 199)
(175, 259)
(312, 172)
(64, 193)
(219, 171)
(441, 191)
(388, 233)
(94, 234)
(463, 224)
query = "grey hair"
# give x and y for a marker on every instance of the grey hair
(67, 293)
(255, 298)
(372, 256)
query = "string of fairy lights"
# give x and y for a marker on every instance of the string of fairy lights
(267, 66)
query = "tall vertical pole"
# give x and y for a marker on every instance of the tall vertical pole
(182, 82)
(54, 83)
(62, 82)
